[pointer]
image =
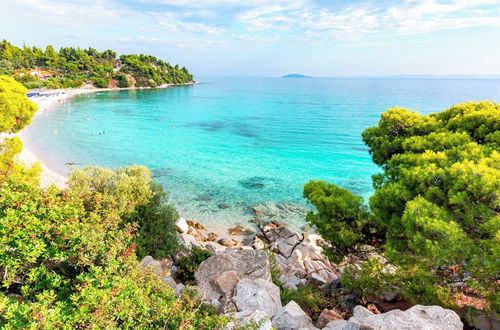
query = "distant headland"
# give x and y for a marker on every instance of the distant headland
(295, 75)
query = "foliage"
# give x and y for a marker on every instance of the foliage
(15, 109)
(75, 66)
(189, 264)
(341, 216)
(67, 263)
(156, 220)
(436, 203)
(309, 298)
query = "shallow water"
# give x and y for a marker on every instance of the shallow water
(229, 143)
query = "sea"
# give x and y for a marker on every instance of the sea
(226, 147)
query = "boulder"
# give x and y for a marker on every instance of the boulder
(257, 243)
(150, 263)
(226, 241)
(250, 264)
(219, 290)
(417, 317)
(189, 241)
(327, 316)
(257, 318)
(252, 295)
(291, 317)
(211, 237)
(240, 231)
(224, 284)
(336, 325)
(215, 248)
(182, 226)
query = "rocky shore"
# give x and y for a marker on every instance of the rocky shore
(239, 279)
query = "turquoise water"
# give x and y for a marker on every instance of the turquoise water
(240, 141)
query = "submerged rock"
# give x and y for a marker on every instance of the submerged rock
(254, 182)
(280, 211)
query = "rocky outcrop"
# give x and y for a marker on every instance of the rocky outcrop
(417, 317)
(250, 264)
(299, 255)
(257, 295)
(291, 317)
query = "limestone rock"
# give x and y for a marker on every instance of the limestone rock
(257, 243)
(215, 248)
(182, 226)
(226, 241)
(417, 317)
(211, 237)
(224, 284)
(189, 241)
(250, 264)
(327, 316)
(258, 294)
(259, 318)
(336, 325)
(291, 317)
(240, 231)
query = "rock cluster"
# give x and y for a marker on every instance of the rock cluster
(237, 280)
(417, 317)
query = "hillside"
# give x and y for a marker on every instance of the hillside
(73, 67)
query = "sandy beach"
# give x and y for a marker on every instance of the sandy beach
(46, 101)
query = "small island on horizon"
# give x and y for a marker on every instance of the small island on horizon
(295, 75)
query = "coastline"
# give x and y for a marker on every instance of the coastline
(48, 99)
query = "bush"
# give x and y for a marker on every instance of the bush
(341, 217)
(189, 264)
(67, 257)
(435, 205)
(309, 298)
(156, 220)
(16, 110)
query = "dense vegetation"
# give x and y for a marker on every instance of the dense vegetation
(69, 259)
(435, 211)
(73, 67)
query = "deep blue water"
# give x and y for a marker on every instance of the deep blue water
(240, 141)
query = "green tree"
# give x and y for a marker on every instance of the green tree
(340, 216)
(436, 203)
(16, 110)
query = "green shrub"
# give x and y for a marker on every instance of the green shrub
(341, 217)
(156, 226)
(309, 298)
(189, 264)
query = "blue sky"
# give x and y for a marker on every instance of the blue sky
(273, 37)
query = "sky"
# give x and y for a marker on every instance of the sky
(273, 37)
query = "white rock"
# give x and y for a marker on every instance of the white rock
(255, 318)
(182, 226)
(291, 317)
(289, 286)
(189, 241)
(336, 325)
(417, 317)
(258, 294)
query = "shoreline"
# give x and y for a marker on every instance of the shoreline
(48, 99)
